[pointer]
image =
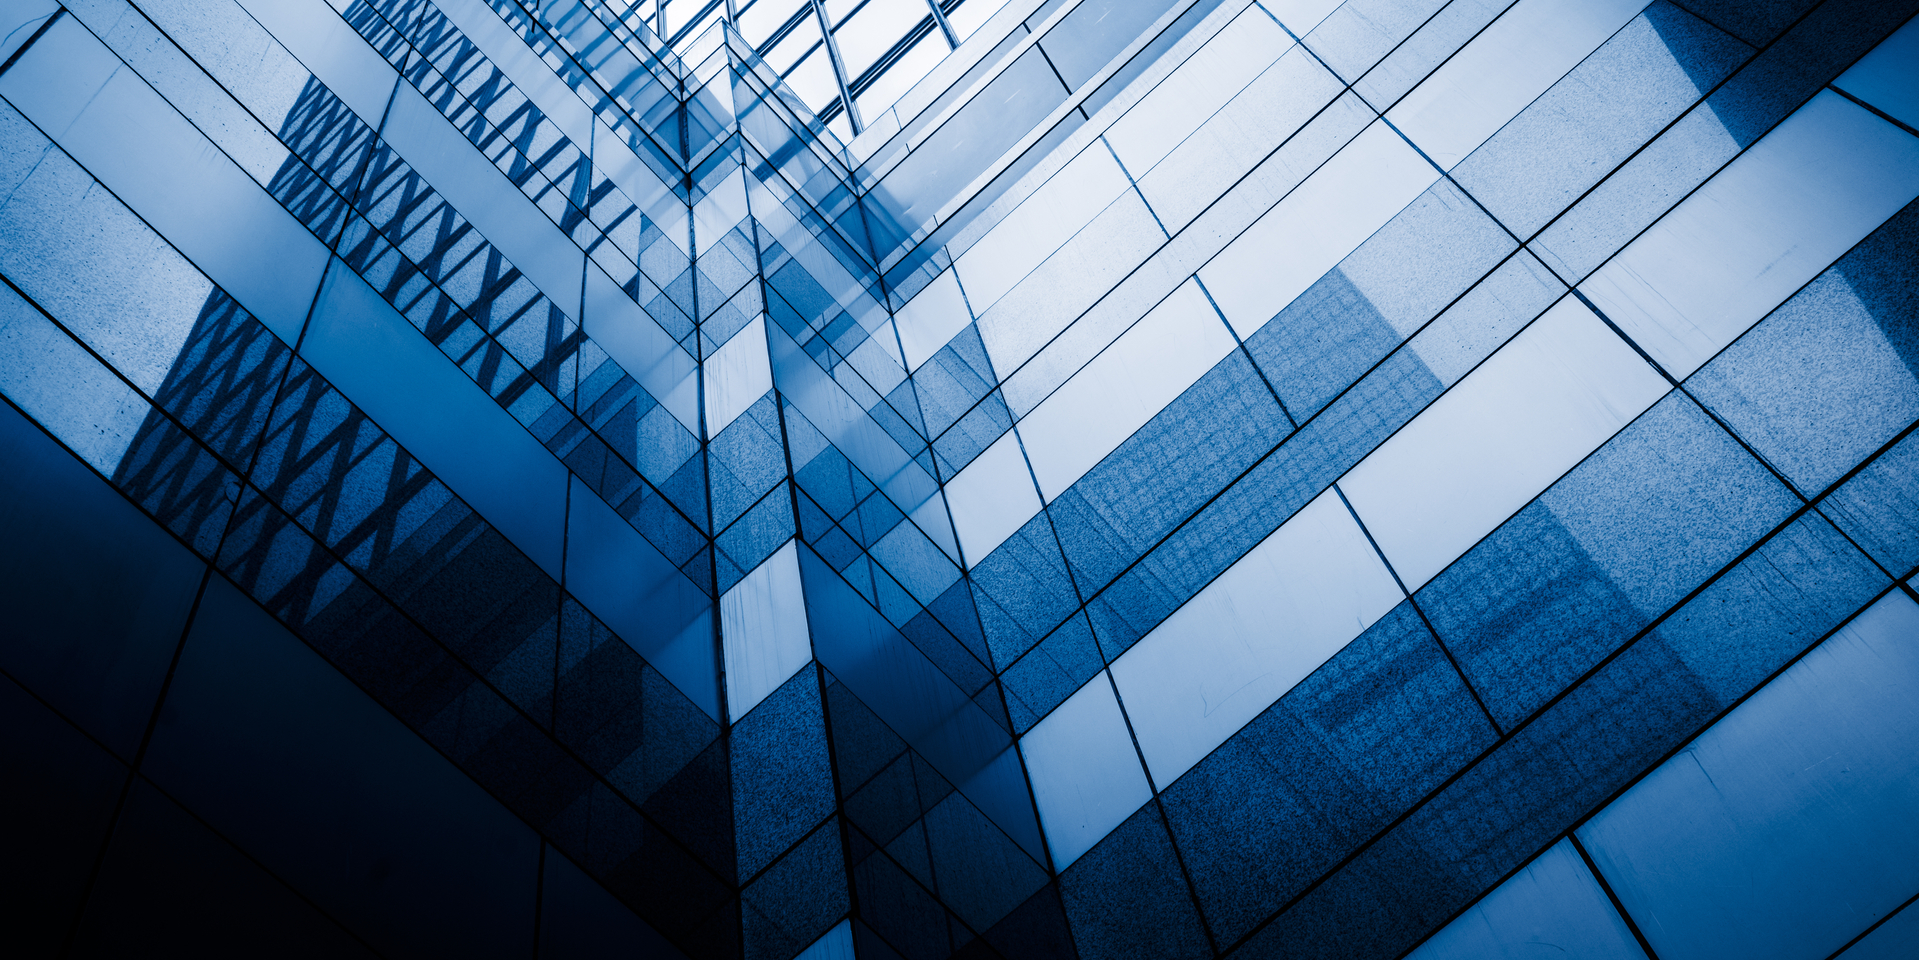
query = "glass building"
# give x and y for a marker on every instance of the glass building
(960, 478)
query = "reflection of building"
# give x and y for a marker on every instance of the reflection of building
(1194, 478)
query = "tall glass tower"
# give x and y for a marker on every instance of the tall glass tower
(914, 479)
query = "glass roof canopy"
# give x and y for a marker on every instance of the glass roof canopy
(848, 60)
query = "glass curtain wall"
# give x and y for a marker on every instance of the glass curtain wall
(1087, 479)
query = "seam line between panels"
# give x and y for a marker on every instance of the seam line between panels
(1577, 682)
(1606, 885)
(1876, 924)
(1424, 621)
(246, 483)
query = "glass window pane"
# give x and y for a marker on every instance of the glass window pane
(813, 80)
(925, 54)
(969, 14)
(874, 30)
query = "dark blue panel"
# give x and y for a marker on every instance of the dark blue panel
(986, 422)
(171, 887)
(649, 871)
(329, 143)
(1707, 53)
(1050, 672)
(955, 611)
(979, 873)
(1651, 698)
(1777, 602)
(907, 918)
(896, 797)
(96, 594)
(1254, 506)
(305, 772)
(1125, 897)
(225, 378)
(1499, 813)
(782, 778)
(916, 700)
(1828, 378)
(754, 537)
(1334, 761)
(1180, 459)
(873, 519)
(326, 464)
(1879, 508)
(1813, 52)
(953, 380)
(798, 898)
(1036, 930)
(60, 822)
(1025, 578)
(749, 451)
(1757, 22)
(619, 714)
(579, 920)
(1527, 611)
(863, 744)
(833, 482)
(1321, 342)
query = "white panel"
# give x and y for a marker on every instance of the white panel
(1768, 223)
(992, 498)
(737, 375)
(1124, 387)
(719, 211)
(1196, 90)
(19, 20)
(1266, 623)
(1241, 137)
(1548, 398)
(1040, 225)
(1316, 226)
(763, 630)
(1075, 277)
(1505, 68)
(482, 194)
(931, 319)
(1085, 774)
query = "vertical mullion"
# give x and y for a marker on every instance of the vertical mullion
(839, 67)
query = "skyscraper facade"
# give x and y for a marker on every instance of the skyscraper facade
(982, 478)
